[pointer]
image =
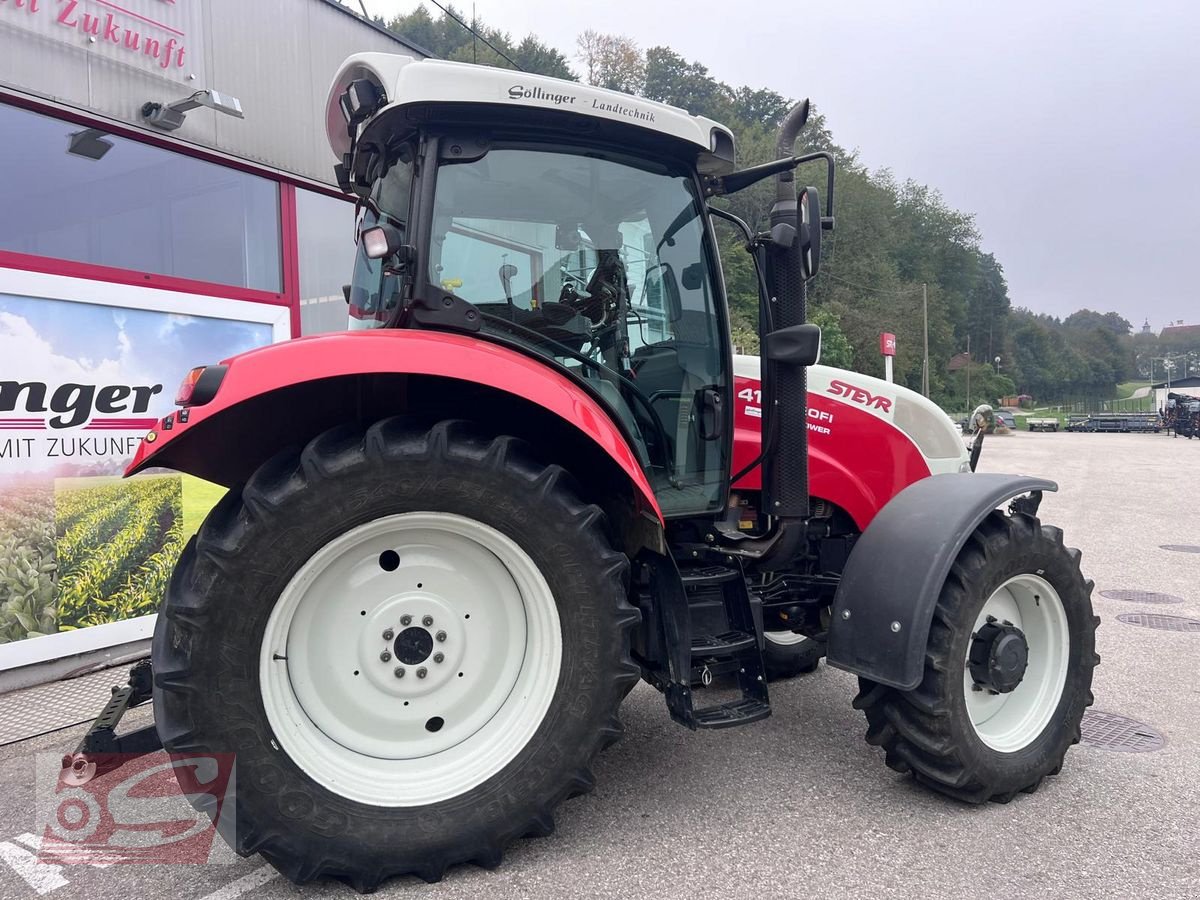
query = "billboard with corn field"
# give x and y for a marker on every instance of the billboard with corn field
(80, 383)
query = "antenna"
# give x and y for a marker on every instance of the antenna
(477, 34)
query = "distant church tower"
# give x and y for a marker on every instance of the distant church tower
(1146, 327)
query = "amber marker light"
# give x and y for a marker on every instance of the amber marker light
(183, 397)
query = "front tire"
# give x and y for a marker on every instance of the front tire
(1008, 669)
(415, 640)
(786, 655)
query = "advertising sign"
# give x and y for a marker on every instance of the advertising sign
(887, 344)
(161, 37)
(80, 383)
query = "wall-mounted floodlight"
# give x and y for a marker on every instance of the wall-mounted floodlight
(171, 116)
(89, 143)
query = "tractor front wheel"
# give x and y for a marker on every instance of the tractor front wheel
(1008, 669)
(414, 641)
(787, 655)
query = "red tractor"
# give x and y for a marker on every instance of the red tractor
(535, 473)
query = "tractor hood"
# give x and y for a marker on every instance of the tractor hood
(922, 420)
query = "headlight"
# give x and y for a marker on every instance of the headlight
(929, 428)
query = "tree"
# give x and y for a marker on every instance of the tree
(447, 38)
(836, 350)
(669, 78)
(534, 56)
(611, 61)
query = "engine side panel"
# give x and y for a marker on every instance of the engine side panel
(858, 458)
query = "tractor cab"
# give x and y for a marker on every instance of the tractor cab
(569, 224)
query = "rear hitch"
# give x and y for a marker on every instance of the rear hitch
(102, 749)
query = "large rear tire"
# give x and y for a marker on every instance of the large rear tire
(415, 640)
(1008, 669)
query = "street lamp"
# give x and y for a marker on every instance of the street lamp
(997, 365)
(1168, 365)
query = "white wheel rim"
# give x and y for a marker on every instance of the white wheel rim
(335, 703)
(1012, 721)
(784, 638)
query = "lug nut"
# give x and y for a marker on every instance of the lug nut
(388, 634)
(427, 621)
(438, 657)
(422, 672)
(385, 656)
(441, 636)
(398, 671)
(406, 620)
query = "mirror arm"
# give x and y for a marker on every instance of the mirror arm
(718, 185)
(736, 181)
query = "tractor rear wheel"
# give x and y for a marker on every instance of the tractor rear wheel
(1008, 669)
(414, 639)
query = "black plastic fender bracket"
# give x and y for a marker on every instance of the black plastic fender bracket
(884, 604)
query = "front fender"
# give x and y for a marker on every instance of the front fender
(266, 399)
(896, 570)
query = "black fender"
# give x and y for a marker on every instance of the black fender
(884, 604)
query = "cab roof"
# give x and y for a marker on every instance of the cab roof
(405, 81)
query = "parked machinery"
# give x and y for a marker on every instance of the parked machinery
(455, 540)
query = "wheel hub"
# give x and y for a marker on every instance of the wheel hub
(413, 645)
(998, 657)
(403, 657)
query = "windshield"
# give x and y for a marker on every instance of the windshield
(605, 267)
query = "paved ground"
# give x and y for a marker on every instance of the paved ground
(798, 805)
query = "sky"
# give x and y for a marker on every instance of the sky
(1071, 130)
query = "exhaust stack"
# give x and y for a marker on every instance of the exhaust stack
(786, 470)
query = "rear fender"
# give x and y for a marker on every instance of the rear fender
(896, 570)
(285, 394)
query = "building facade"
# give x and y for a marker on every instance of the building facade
(167, 200)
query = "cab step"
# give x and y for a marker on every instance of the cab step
(735, 712)
(699, 656)
(719, 646)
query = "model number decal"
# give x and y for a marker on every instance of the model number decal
(753, 409)
(860, 395)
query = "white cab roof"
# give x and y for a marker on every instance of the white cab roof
(406, 80)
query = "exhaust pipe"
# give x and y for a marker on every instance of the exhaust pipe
(786, 470)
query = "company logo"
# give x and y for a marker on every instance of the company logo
(74, 405)
(137, 814)
(860, 395)
(620, 109)
(520, 92)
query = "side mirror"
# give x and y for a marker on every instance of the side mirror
(507, 272)
(795, 345)
(809, 237)
(982, 418)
